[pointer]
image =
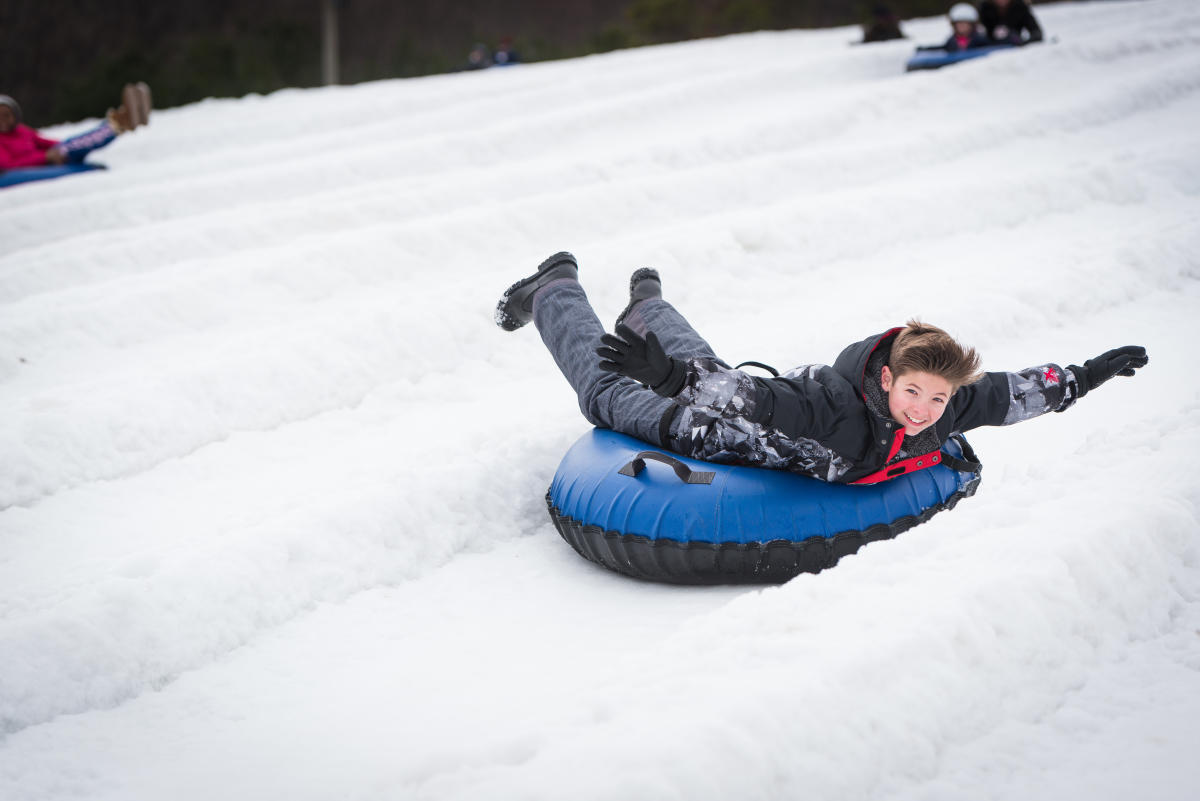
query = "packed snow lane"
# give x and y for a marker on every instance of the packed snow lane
(271, 480)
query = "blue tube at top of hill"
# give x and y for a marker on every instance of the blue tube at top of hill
(24, 175)
(935, 58)
(652, 514)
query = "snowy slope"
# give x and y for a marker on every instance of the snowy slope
(271, 480)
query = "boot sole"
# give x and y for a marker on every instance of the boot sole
(505, 318)
(147, 100)
(136, 99)
(132, 105)
(639, 275)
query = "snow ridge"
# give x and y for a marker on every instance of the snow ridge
(271, 481)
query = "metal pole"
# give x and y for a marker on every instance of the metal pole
(329, 42)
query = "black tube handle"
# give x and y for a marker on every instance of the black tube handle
(969, 463)
(685, 473)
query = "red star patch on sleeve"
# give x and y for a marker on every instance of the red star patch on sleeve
(1051, 375)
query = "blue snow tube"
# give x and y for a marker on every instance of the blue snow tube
(652, 514)
(23, 175)
(934, 58)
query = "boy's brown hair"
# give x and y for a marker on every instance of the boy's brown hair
(925, 348)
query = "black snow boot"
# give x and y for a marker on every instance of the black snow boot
(515, 308)
(643, 285)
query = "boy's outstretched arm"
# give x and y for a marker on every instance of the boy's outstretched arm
(1001, 399)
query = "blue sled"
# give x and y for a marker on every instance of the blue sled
(23, 175)
(936, 58)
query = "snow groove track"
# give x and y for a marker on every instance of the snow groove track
(271, 481)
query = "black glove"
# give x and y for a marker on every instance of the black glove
(1122, 361)
(643, 360)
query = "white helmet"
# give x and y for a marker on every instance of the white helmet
(963, 12)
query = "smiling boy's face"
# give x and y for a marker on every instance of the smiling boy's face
(916, 400)
(8, 119)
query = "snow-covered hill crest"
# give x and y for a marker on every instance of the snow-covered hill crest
(271, 480)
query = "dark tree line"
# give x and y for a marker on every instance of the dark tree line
(67, 59)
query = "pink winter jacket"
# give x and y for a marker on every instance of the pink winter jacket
(22, 147)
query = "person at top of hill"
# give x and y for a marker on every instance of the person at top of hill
(505, 55)
(479, 58)
(22, 146)
(885, 406)
(884, 26)
(1009, 22)
(966, 34)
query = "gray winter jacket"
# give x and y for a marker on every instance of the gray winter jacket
(832, 423)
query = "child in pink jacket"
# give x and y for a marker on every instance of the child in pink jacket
(22, 146)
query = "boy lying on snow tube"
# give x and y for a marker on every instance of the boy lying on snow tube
(884, 405)
(24, 150)
(884, 409)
